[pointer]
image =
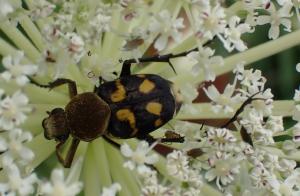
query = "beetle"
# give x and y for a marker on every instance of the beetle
(132, 106)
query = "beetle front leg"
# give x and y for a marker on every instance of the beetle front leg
(58, 82)
(67, 161)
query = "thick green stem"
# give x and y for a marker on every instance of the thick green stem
(275, 151)
(20, 41)
(203, 111)
(208, 190)
(75, 171)
(249, 56)
(91, 176)
(102, 163)
(119, 173)
(33, 32)
(6, 48)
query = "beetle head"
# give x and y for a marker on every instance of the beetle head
(55, 125)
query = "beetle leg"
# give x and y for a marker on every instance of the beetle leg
(126, 69)
(58, 82)
(115, 144)
(67, 161)
(246, 137)
(157, 58)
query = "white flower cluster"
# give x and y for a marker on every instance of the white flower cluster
(71, 32)
(177, 167)
(223, 153)
(59, 185)
(251, 87)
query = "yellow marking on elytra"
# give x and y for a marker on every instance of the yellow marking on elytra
(119, 94)
(146, 86)
(127, 115)
(158, 122)
(154, 108)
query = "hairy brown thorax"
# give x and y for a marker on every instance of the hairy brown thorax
(87, 116)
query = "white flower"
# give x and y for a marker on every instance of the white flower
(188, 91)
(223, 102)
(276, 18)
(223, 167)
(287, 166)
(211, 22)
(204, 60)
(296, 132)
(221, 138)
(289, 146)
(105, 69)
(156, 190)
(262, 99)
(138, 157)
(75, 46)
(177, 165)
(269, 160)
(255, 4)
(16, 184)
(41, 9)
(290, 186)
(298, 67)
(99, 23)
(233, 34)
(15, 145)
(263, 136)
(295, 4)
(200, 3)
(112, 190)
(59, 187)
(131, 8)
(13, 110)
(147, 175)
(261, 177)
(296, 113)
(297, 95)
(17, 71)
(275, 123)
(166, 27)
(5, 9)
(249, 77)
(252, 121)
(151, 184)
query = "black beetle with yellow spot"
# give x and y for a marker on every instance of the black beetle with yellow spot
(131, 106)
(139, 104)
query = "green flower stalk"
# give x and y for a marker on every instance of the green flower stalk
(89, 41)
